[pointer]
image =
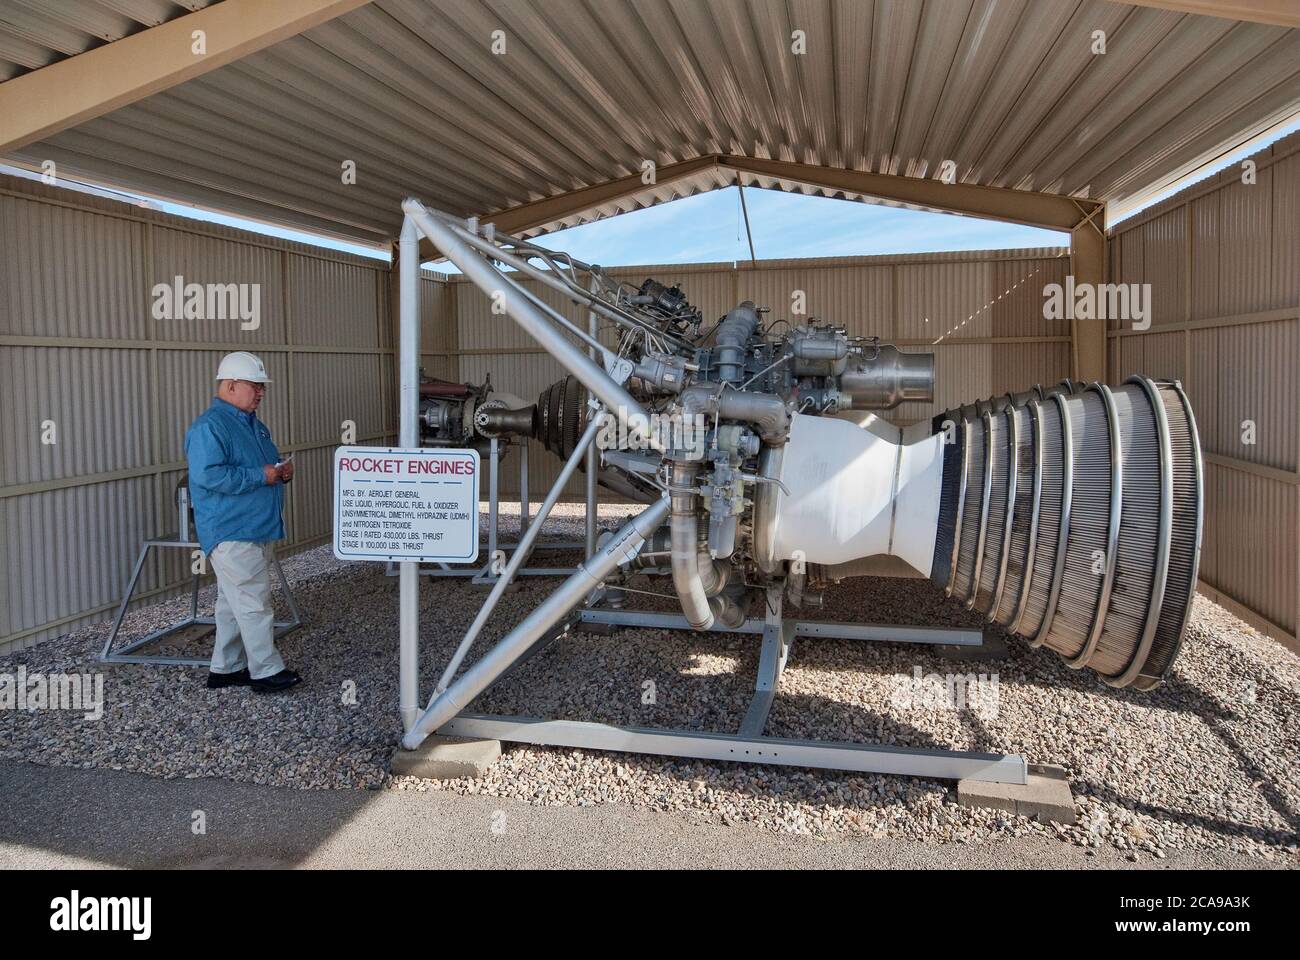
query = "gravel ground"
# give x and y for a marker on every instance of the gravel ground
(1207, 762)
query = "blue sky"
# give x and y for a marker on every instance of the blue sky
(709, 227)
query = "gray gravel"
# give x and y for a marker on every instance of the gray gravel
(1207, 762)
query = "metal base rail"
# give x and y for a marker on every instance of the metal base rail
(127, 653)
(881, 632)
(741, 748)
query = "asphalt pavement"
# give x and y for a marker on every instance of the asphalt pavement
(66, 817)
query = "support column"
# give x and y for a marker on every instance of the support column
(408, 361)
(1088, 265)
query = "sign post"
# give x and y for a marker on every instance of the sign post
(406, 504)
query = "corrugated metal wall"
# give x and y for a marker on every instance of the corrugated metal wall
(1223, 261)
(79, 346)
(984, 308)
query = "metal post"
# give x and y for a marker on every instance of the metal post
(494, 456)
(409, 437)
(593, 455)
(590, 575)
(524, 505)
(778, 637)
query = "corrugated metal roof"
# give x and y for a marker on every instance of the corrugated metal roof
(411, 90)
(36, 33)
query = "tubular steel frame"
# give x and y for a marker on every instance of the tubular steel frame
(127, 652)
(470, 248)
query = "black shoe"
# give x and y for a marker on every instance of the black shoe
(239, 678)
(276, 682)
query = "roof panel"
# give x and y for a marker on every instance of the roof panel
(586, 91)
(34, 33)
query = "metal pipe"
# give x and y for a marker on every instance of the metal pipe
(748, 233)
(408, 249)
(593, 344)
(733, 336)
(684, 530)
(590, 575)
(765, 411)
(888, 379)
(444, 388)
(488, 279)
(520, 555)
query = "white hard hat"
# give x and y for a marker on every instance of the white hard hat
(242, 366)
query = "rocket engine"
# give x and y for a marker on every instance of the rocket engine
(1071, 515)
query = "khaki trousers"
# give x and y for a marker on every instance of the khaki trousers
(244, 615)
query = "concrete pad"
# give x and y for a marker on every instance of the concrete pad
(447, 758)
(1045, 797)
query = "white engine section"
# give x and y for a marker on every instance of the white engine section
(855, 494)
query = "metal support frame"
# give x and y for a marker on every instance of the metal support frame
(1088, 337)
(737, 748)
(749, 745)
(779, 635)
(826, 629)
(778, 638)
(127, 654)
(571, 601)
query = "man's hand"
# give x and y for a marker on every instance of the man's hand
(272, 473)
(286, 471)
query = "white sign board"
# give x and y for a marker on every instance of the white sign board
(395, 504)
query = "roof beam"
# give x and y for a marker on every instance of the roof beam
(39, 104)
(1283, 13)
(538, 213)
(1048, 210)
(541, 212)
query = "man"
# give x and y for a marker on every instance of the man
(237, 488)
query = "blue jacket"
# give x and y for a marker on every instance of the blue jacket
(227, 449)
